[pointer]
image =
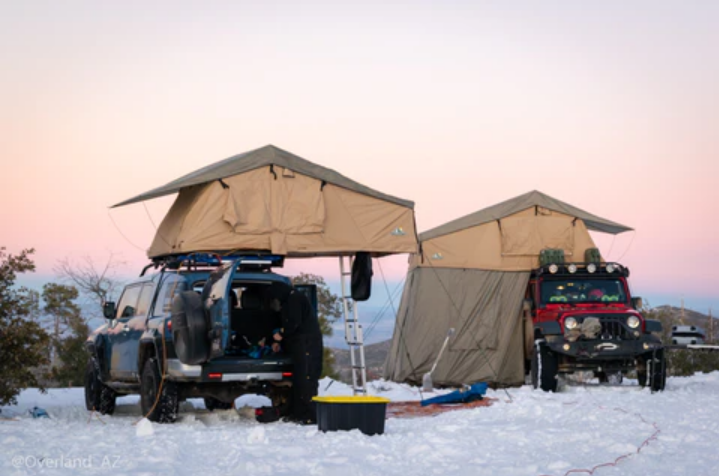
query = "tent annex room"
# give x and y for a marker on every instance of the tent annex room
(471, 274)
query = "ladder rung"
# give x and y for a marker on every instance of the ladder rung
(357, 366)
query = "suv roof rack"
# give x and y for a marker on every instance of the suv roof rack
(248, 260)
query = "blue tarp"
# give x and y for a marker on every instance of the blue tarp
(468, 394)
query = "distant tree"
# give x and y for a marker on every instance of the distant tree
(97, 283)
(69, 332)
(329, 310)
(23, 342)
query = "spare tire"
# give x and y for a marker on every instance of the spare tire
(189, 329)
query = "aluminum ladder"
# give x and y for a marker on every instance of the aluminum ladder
(353, 330)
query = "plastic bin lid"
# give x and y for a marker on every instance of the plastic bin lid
(353, 399)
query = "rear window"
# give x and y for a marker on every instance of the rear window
(172, 285)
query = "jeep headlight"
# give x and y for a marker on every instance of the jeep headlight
(570, 323)
(633, 322)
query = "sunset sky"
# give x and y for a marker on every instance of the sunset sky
(611, 106)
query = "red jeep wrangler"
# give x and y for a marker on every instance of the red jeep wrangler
(582, 317)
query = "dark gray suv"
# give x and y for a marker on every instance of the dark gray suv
(199, 327)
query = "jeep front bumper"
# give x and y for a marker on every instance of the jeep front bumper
(602, 350)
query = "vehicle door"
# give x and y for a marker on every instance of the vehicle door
(116, 332)
(215, 299)
(128, 328)
(309, 290)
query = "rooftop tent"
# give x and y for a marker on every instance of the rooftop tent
(471, 274)
(271, 200)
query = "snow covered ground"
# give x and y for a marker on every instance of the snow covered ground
(533, 434)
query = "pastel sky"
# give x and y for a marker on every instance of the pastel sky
(612, 106)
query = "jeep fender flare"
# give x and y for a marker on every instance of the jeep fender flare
(547, 328)
(95, 346)
(150, 346)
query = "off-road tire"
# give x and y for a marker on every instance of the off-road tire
(544, 370)
(165, 411)
(98, 396)
(213, 404)
(656, 375)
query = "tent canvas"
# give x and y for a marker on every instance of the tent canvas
(472, 274)
(271, 200)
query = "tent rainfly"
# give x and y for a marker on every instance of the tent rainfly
(269, 200)
(471, 274)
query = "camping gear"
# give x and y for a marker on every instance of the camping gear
(472, 274)
(38, 412)
(363, 413)
(427, 384)
(467, 394)
(415, 409)
(271, 200)
(550, 256)
(267, 414)
(592, 255)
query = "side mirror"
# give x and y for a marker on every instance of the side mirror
(637, 303)
(108, 310)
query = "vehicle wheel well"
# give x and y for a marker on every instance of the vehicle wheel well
(147, 351)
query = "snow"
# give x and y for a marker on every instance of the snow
(530, 433)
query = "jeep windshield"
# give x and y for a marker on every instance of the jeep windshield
(582, 290)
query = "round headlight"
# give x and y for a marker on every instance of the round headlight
(572, 268)
(591, 267)
(633, 322)
(553, 268)
(610, 268)
(570, 323)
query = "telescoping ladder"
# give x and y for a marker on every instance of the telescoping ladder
(353, 330)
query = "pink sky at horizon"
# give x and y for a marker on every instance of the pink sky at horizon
(455, 105)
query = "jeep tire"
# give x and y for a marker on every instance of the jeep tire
(98, 396)
(152, 388)
(656, 373)
(544, 369)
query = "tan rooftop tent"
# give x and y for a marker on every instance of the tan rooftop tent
(271, 200)
(471, 275)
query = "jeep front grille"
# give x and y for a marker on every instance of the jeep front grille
(614, 328)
